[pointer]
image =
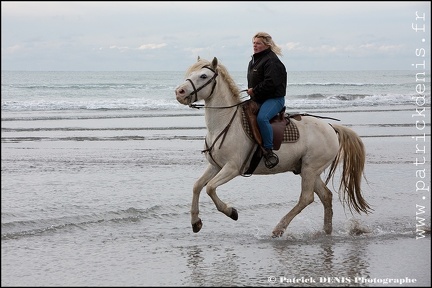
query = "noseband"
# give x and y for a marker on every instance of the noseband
(205, 84)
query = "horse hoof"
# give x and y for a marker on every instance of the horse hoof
(234, 214)
(196, 227)
(277, 233)
(328, 231)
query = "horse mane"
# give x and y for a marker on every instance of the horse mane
(222, 71)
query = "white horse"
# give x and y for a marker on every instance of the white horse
(228, 149)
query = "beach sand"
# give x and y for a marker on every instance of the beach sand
(104, 201)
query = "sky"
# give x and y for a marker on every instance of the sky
(169, 36)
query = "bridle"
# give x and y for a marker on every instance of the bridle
(195, 90)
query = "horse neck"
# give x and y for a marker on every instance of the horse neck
(218, 118)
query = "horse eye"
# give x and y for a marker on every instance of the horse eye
(203, 76)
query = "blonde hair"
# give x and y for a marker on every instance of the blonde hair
(267, 39)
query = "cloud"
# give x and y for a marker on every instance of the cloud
(13, 49)
(151, 46)
(172, 33)
(359, 50)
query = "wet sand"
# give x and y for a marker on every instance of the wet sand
(104, 200)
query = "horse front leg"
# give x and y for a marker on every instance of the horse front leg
(226, 174)
(208, 174)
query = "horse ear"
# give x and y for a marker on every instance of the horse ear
(198, 59)
(214, 62)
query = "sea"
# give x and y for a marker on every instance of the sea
(98, 168)
(143, 91)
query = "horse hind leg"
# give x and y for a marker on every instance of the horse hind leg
(326, 198)
(306, 198)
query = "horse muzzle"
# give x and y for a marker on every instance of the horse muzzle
(183, 96)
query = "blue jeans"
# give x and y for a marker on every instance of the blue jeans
(269, 108)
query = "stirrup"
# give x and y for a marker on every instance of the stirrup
(270, 159)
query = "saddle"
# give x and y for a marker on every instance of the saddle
(284, 130)
(278, 123)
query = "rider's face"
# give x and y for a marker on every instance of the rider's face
(258, 45)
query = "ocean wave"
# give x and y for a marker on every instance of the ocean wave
(314, 100)
(344, 84)
(349, 230)
(95, 86)
(16, 229)
(154, 91)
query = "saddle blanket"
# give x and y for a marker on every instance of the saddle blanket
(291, 133)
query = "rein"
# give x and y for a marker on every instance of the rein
(223, 133)
(198, 106)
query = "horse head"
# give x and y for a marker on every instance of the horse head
(200, 82)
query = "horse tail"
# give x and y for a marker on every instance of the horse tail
(352, 152)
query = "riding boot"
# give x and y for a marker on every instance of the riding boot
(270, 158)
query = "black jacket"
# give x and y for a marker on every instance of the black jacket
(267, 76)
